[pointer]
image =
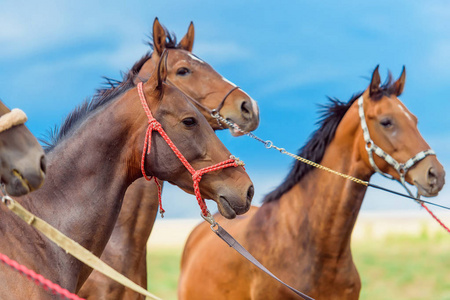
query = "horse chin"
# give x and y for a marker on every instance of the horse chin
(235, 132)
(426, 192)
(225, 208)
(17, 186)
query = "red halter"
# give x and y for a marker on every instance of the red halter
(153, 124)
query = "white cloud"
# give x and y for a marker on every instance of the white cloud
(33, 26)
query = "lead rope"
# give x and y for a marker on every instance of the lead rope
(71, 247)
(38, 279)
(46, 284)
(269, 145)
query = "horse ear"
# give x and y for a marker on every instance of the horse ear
(400, 83)
(187, 42)
(162, 69)
(159, 37)
(375, 82)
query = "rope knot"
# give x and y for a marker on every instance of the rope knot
(154, 124)
(237, 161)
(197, 176)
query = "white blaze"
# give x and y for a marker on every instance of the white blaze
(227, 81)
(196, 58)
(405, 112)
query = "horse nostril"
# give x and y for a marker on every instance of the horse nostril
(250, 193)
(245, 108)
(432, 177)
(43, 164)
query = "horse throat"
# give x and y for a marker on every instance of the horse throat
(323, 207)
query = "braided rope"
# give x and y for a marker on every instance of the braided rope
(161, 209)
(153, 124)
(197, 176)
(319, 166)
(434, 216)
(54, 288)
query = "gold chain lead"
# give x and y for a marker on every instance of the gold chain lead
(270, 145)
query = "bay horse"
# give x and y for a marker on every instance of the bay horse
(92, 160)
(22, 159)
(302, 231)
(126, 249)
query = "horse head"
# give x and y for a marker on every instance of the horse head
(22, 160)
(393, 145)
(188, 73)
(190, 132)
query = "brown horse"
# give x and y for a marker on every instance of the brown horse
(92, 161)
(303, 229)
(187, 71)
(22, 160)
(126, 250)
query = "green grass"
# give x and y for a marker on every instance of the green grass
(395, 267)
(404, 267)
(163, 267)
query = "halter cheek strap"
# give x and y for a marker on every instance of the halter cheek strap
(153, 124)
(215, 113)
(371, 148)
(13, 118)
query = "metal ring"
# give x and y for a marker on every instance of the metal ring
(214, 225)
(369, 145)
(215, 114)
(7, 200)
(268, 144)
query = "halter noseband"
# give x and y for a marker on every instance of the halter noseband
(13, 118)
(153, 124)
(221, 104)
(371, 148)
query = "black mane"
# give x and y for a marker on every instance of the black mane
(331, 115)
(112, 89)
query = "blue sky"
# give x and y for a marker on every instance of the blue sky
(288, 56)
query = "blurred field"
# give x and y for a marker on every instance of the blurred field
(398, 255)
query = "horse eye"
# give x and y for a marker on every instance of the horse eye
(183, 71)
(386, 123)
(189, 122)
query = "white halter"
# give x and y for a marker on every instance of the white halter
(13, 118)
(371, 148)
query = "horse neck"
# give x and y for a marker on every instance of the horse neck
(89, 172)
(323, 207)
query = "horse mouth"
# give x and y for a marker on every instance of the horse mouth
(422, 191)
(225, 208)
(19, 185)
(234, 132)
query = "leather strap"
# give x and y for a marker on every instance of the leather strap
(224, 235)
(72, 247)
